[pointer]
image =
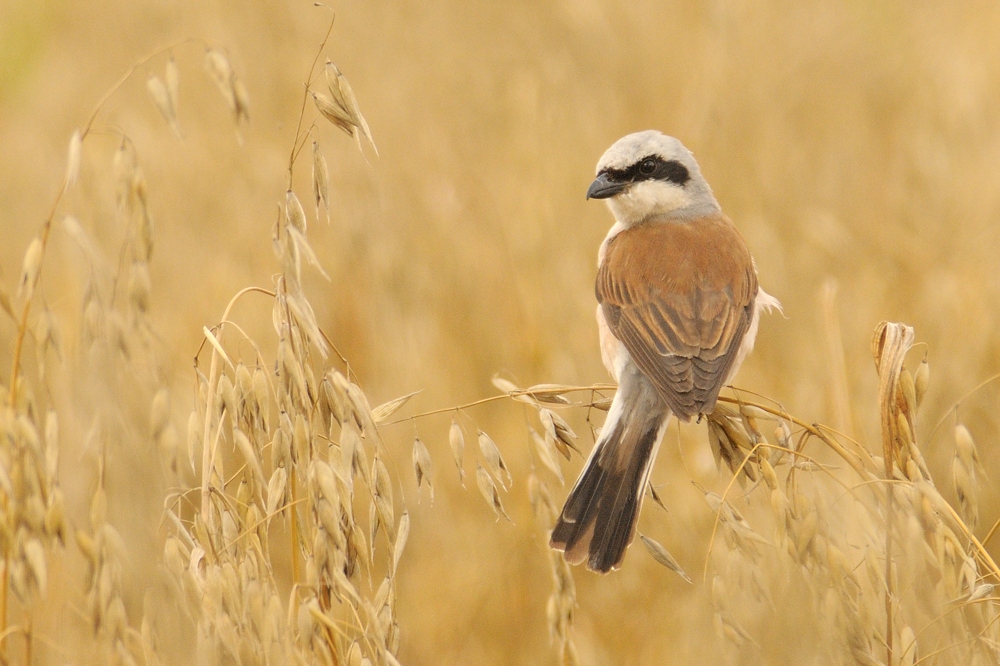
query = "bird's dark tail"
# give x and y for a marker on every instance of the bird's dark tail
(598, 520)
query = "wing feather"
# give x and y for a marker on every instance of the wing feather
(680, 297)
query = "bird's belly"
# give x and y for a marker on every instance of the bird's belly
(613, 352)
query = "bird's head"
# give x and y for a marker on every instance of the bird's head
(649, 174)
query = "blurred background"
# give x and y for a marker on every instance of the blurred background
(855, 145)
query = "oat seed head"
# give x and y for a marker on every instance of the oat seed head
(163, 102)
(73, 158)
(494, 461)
(456, 441)
(422, 467)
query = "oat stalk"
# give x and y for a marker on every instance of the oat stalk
(29, 290)
(22, 324)
(296, 146)
(889, 346)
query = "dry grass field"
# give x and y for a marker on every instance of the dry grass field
(176, 489)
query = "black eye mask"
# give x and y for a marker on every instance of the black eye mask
(653, 167)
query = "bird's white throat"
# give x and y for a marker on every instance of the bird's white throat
(646, 199)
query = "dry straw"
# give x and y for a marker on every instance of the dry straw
(310, 467)
(293, 452)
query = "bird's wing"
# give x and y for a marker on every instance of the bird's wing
(680, 297)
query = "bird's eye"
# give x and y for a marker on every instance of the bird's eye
(647, 167)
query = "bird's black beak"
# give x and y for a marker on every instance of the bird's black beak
(604, 187)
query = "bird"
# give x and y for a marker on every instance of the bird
(678, 311)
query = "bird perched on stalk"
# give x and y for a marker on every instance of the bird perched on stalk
(678, 309)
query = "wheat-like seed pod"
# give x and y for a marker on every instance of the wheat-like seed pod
(163, 99)
(489, 492)
(320, 181)
(546, 450)
(494, 461)
(73, 158)
(422, 466)
(456, 442)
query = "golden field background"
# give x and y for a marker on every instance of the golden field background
(856, 143)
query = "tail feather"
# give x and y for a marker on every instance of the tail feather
(597, 523)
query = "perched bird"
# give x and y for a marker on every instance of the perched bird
(678, 309)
